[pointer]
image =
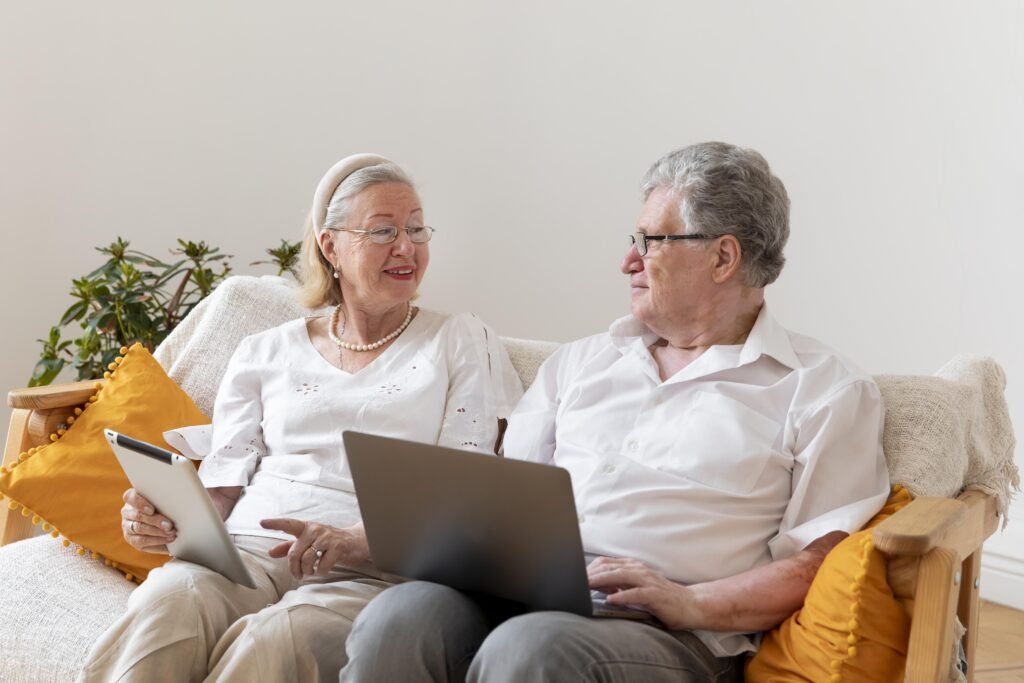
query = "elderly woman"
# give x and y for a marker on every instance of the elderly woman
(276, 467)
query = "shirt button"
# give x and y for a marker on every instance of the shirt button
(581, 518)
(632, 445)
(608, 468)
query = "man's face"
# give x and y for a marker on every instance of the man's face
(669, 282)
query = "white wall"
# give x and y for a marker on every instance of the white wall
(896, 127)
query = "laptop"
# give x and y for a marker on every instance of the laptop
(478, 523)
(170, 482)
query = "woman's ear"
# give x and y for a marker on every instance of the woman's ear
(326, 242)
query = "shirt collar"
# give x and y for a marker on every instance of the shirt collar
(767, 338)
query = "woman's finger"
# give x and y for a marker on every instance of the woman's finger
(156, 521)
(281, 549)
(327, 561)
(134, 499)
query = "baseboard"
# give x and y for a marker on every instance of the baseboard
(1002, 579)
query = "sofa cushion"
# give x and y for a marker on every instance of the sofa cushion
(54, 606)
(74, 486)
(851, 627)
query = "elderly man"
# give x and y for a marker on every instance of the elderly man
(716, 457)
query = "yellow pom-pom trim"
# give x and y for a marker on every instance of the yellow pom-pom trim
(65, 543)
(53, 437)
(70, 419)
(55, 533)
(25, 512)
(36, 519)
(93, 398)
(13, 505)
(78, 411)
(124, 350)
(97, 385)
(46, 526)
(119, 360)
(23, 457)
(111, 366)
(854, 624)
(80, 551)
(106, 561)
(107, 375)
(61, 431)
(95, 555)
(129, 577)
(4, 470)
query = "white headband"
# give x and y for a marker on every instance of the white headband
(334, 177)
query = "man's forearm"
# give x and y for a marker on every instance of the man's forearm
(760, 598)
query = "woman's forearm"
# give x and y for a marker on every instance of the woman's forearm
(224, 498)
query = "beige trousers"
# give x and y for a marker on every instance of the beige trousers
(189, 623)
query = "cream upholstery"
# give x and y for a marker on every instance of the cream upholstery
(941, 433)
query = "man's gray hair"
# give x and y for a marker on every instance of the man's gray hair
(357, 182)
(723, 189)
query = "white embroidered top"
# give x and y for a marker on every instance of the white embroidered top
(282, 407)
(743, 457)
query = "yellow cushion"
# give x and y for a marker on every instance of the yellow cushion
(851, 627)
(73, 486)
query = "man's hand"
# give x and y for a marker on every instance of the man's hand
(347, 546)
(754, 600)
(632, 583)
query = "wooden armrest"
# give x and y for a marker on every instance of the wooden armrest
(53, 396)
(960, 524)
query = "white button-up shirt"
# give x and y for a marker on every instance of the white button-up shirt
(745, 456)
(281, 410)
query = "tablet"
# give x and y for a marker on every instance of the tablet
(170, 482)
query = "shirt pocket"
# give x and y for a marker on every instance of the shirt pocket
(723, 444)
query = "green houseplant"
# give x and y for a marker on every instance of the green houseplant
(135, 297)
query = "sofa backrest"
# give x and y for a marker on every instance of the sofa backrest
(942, 432)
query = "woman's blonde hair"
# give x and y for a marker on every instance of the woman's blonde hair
(317, 285)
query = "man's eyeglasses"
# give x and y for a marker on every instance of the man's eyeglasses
(386, 234)
(641, 240)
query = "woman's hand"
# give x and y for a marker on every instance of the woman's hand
(143, 527)
(318, 547)
(224, 498)
(633, 583)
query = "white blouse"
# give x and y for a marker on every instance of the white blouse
(281, 409)
(743, 457)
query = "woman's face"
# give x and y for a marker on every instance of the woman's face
(378, 276)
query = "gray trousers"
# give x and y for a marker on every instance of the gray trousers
(422, 631)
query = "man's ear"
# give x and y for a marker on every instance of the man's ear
(728, 258)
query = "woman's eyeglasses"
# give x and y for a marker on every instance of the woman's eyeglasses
(386, 234)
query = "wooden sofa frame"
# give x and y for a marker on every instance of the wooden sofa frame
(934, 544)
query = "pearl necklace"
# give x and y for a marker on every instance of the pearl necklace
(336, 338)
